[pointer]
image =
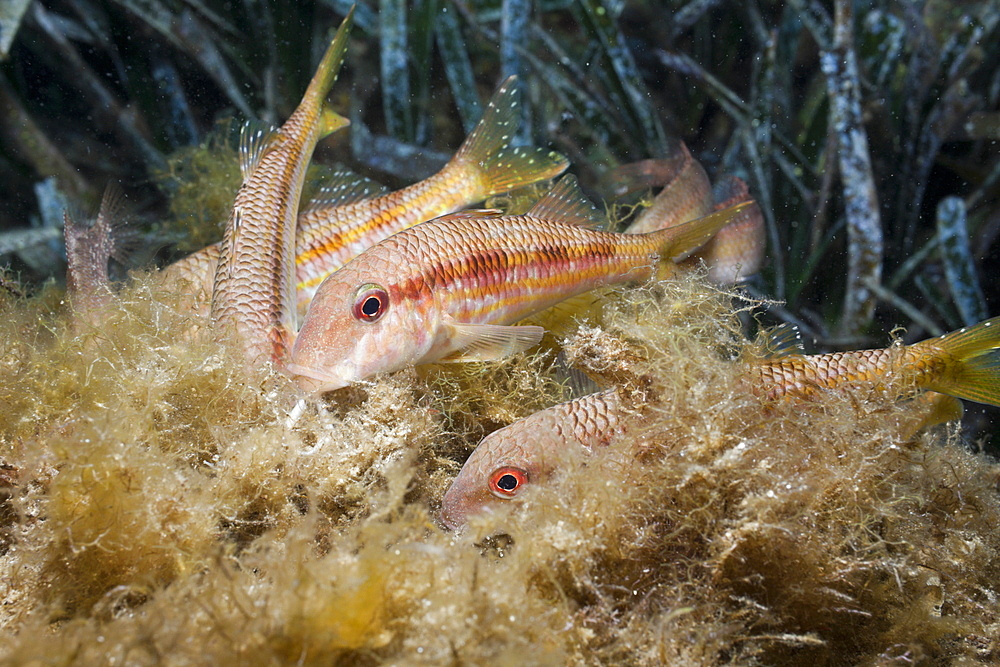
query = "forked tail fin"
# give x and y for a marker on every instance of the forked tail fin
(677, 242)
(326, 75)
(503, 167)
(972, 362)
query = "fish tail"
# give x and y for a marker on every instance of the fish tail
(681, 240)
(502, 167)
(326, 75)
(972, 370)
(737, 251)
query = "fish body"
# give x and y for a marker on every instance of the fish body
(510, 459)
(962, 364)
(346, 218)
(686, 193)
(737, 251)
(485, 165)
(449, 289)
(254, 288)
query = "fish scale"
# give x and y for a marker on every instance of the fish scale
(526, 447)
(961, 364)
(483, 166)
(534, 263)
(348, 215)
(897, 369)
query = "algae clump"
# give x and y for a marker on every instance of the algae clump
(162, 507)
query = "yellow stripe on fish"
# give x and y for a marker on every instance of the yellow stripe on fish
(254, 290)
(485, 165)
(345, 218)
(449, 289)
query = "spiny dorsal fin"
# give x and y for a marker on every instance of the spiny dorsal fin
(114, 215)
(783, 340)
(344, 187)
(579, 383)
(566, 203)
(488, 342)
(255, 138)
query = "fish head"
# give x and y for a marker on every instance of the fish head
(499, 471)
(361, 322)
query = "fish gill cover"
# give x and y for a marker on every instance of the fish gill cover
(159, 505)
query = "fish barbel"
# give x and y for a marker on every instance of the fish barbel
(348, 215)
(448, 289)
(254, 290)
(962, 364)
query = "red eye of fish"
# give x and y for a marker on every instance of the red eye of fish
(506, 482)
(371, 303)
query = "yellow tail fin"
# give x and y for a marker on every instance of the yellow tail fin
(972, 358)
(503, 167)
(326, 75)
(680, 241)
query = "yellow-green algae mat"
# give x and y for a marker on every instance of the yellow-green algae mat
(161, 508)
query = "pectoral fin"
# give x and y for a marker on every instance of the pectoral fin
(488, 342)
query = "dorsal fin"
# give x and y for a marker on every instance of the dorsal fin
(566, 203)
(783, 340)
(343, 187)
(255, 138)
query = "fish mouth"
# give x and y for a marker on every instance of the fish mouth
(313, 380)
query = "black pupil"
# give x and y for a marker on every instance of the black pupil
(371, 306)
(507, 482)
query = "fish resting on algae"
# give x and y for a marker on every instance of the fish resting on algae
(450, 289)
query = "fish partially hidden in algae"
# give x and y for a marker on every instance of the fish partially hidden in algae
(961, 364)
(450, 289)
(254, 291)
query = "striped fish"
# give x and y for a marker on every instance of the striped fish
(351, 213)
(450, 289)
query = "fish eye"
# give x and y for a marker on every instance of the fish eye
(371, 303)
(506, 482)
